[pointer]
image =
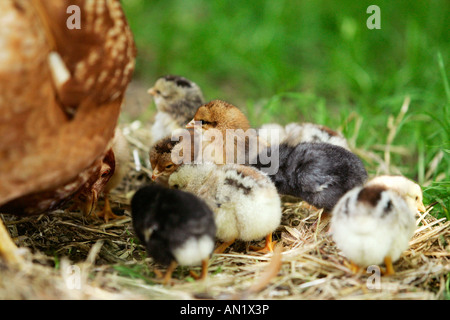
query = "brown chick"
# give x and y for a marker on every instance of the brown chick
(121, 152)
(161, 160)
(113, 169)
(220, 115)
(221, 122)
(176, 99)
(87, 196)
(168, 154)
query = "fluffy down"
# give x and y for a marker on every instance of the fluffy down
(176, 99)
(295, 133)
(173, 225)
(245, 202)
(406, 188)
(319, 173)
(371, 223)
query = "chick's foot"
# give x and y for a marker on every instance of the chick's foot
(267, 248)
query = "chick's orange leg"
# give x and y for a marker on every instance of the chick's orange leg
(354, 268)
(389, 267)
(204, 268)
(268, 247)
(169, 271)
(8, 248)
(204, 271)
(224, 246)
(107, 213)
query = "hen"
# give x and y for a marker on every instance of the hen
(61, 91)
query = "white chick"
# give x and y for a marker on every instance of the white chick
(245, 201)
(271, 132)
(315, 133)
(408, 189)
(372, 225)
(295, 133)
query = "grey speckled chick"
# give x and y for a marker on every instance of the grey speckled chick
(177, 99)
(318, 173)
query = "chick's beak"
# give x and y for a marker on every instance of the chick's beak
(91, 203)
(421, 207)
(191, 124)
(155, 174)
(152, 91)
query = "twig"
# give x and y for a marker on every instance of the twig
(270, 272)
(393, 127)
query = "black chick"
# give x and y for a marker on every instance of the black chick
(176, 227)
(318, 173)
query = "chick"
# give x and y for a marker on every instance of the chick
(87, 196)
(113, 169)
(226, 134)
(318, 173)
(295, 133)
(372, 225)
(177, 99)
(408, 189)
(245, 202)
(121, 152)
(176, 227)
(168, 154)
(220, 115)
(161, 160)
(310, 132)
(272, 133)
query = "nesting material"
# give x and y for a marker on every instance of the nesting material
(311, 265)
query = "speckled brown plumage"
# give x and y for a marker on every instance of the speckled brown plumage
(55, 134)
(161, 160)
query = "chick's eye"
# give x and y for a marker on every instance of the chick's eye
(169, 166)
(417, 198)
(388, 208)
(158, 92)
(209, 123)
(105, 173)
(175, 186)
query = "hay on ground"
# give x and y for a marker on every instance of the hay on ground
(68, 256)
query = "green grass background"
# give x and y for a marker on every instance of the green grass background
(283, 61)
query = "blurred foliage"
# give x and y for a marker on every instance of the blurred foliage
(283, 61)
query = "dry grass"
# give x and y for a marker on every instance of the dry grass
(68, 256)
